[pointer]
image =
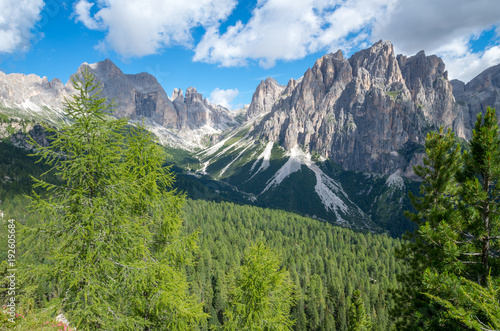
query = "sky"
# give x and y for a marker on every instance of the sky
(225, 48)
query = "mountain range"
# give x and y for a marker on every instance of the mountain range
(338, 144)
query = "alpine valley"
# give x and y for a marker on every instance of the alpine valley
(337, 144)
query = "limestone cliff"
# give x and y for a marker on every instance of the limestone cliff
(370, 112)
(475, 96)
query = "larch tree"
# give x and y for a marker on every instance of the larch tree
(110, 233)
(260, 293)
(359, 320)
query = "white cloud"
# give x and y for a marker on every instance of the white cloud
(141, 27)
(462, 63)
(223, 97)
(430, 24)
(289, 30)
(82, 14)
(17, 20)
(444, 28)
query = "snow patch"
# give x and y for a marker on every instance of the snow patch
(328, 190)
(28, 105)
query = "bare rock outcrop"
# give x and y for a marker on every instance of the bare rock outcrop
(475, 96)
(264, 97)
(364, 112)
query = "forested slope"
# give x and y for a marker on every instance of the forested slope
(326, 262)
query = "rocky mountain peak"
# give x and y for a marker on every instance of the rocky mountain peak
(192, 96)
(489, 78)
(363, 111)
(292, 84)
(31, 92)
(475, 96)
(380, 62)
(177, 93)
(104, 68)
(264, 97)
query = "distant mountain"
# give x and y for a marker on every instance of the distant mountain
(478, 94)
(264, 98)
(181, 121)
(338, 144)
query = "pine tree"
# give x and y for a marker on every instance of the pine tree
(110, 233)
(459, 228)
(261, 294)
(436, 209)
(480, 200)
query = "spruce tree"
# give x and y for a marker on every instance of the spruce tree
(109, 235)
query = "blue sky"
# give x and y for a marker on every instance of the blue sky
(225, 47)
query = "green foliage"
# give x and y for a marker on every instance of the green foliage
(260, 293)
(479, 200)
(182, 158)
(109, 238)
(477, 305)
(359, 320)
(16, 169)
(458, 215)
(4, 118)
(434, 209)
(326, 263)
(393, 94)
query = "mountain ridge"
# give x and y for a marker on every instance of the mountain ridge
(338, 144)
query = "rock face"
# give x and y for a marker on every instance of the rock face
(36, 132)
(194, 111)
(370, 112)
(32, 92)
(141, 96)
(135, 96)
(475, 96)
(266, 94)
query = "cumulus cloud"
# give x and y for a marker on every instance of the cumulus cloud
(430, 24)
(82, 14)
(223, 97)
(289, 30)
(444, 28)
(137, 28)
(462, 63)
(17, 20)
